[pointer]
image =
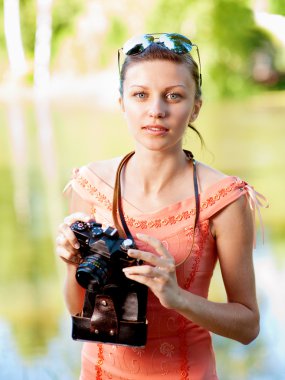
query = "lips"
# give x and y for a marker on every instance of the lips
(155, 129)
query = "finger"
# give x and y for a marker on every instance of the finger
(141, 270)
(148, 271)
(70, 219)
(141, 279)
(68, 236)
(60, 240)
(155, 243)
(71, 247)
(65, 229)
(146, 275)
(68, 257)
(168, 267)
(166, 264)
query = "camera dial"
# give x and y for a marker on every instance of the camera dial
(80, 226)
(96, 232)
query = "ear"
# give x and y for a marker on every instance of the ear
(196, 110)
(121, 102)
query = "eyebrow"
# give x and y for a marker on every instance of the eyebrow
(167, 88)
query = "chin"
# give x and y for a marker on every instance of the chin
(156, 146)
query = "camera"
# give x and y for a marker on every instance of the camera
(115, 307)
(103, 252)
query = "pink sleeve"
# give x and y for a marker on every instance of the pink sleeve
(77, 198)
(226, 192)
(221, 195)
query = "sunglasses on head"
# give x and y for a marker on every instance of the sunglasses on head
(177, 43)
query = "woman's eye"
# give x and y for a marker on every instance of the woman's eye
(173, 96)
(140, 95)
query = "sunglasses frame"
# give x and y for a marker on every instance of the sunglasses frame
(156, 39)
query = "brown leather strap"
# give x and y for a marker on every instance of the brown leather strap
(196, 187)
(117, 205)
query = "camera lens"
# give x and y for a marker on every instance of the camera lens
(93, 271)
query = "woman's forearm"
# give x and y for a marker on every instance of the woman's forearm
(232, 320)
(73, 292)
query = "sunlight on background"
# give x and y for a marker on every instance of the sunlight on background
(59, 110)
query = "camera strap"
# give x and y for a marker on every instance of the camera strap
(117, 210)
(122, 227)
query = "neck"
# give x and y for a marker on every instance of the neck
(154, 170)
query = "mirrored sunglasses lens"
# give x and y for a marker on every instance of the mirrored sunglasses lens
(177, 43)
(137, 44)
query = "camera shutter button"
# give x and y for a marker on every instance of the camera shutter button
(127, 244)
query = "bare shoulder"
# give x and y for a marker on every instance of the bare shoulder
(105, 169)
(208, 176)
(235, 219)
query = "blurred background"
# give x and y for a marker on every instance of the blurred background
(59, 110)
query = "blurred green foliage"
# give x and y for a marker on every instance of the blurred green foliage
(116, 33)
(234, 41)
(167, 16)
(64, 15)
(228, 38)
(225, 31)
(28, 25)
(277, 7)
(3, 54)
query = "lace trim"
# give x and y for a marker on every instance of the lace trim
(161, 222)
(200, 238)
(100, 361)
(183, 348)
(92, 190)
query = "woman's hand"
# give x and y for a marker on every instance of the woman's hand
(66, 243)
(157, 272)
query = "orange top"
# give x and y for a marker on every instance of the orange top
(176, 347)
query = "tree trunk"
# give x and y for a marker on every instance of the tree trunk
(43, 113)
(18, 65)
(42, 45)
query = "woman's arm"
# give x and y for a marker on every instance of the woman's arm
(67, 249)
(238, 318)
(73, 293)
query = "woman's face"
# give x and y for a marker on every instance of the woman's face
(158, 102)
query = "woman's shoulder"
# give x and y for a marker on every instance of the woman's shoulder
(208, 176)
(94, 182)
(105, 170)
(219, 190)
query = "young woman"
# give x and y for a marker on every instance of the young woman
(160, 98)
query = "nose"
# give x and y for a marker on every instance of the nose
(157, 110)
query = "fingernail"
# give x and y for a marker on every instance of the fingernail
(139, 235)
(76, 245)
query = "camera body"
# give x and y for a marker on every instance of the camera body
(103, 252)
(115, 307)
